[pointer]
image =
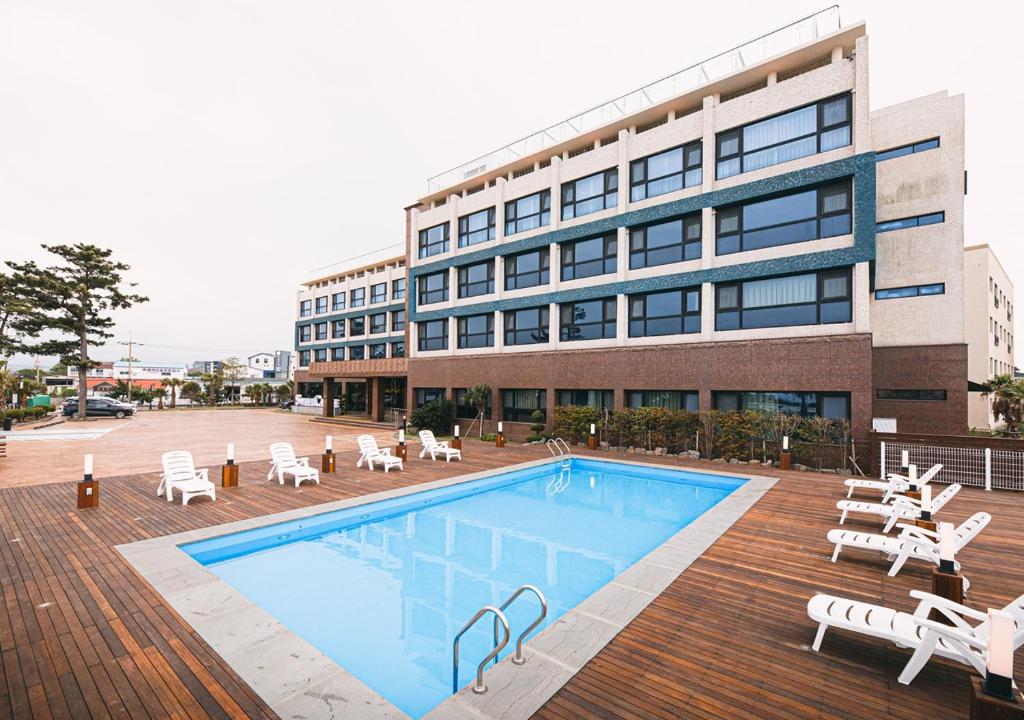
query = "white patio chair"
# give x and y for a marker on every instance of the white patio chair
(180, 474)
(961, 641)
(371, 454)
(896, 484)
(435, 448)
(913, 542)
(284, 462)
(901, 507)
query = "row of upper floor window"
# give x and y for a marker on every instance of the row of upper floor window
(1000, 298)
(1000, 334)
(819, 127)
(374, 324)
(999, 367)
(805, 299)
(373, 351)
(355, 298)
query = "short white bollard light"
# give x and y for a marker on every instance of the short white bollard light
(229, 471)
(88, 487)
(327, 459)
(499, 441)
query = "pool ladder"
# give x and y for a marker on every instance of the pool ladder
(500, 623)
(558, 447)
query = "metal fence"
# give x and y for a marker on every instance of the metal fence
(975, 466)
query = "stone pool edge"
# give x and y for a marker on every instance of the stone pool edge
(297, 680)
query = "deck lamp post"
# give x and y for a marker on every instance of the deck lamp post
(785, 460)
(401, 451)
(925, 520)
(592, 440)
(946, 581)
(994, 698)
(327, 459)
(499, 441)
(88, 487)
(914, 490)
(229, 471)
(905, 459)
(456, 441)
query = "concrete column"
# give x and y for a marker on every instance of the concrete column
(861, 108)
(499, 209)
(621, 320)
(707, 312)
(328, 395)
(556, 192)
(375, 390)
(623, 167)
(555, 267)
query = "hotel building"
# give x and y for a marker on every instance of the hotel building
(745, 234)
(989, 321)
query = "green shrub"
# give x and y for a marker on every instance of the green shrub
(537, 427)
(572, 422)
(736, 435)
(437, 416)
(488, 437)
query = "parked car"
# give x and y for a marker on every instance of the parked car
(98, 407)
(286, 404)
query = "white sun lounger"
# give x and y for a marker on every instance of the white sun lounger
(894, 485)
(901, 507)
(180, 474)
(960, 641)
(372, 454)
(435, 448)
(284, 462)
(913, 542)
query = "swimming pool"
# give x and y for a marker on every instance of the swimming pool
(382, 588)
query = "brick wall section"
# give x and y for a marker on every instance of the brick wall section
(934, 367)
(839, 363)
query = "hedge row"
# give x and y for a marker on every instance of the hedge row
(23, 414)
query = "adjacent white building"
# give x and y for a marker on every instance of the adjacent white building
(988, 310)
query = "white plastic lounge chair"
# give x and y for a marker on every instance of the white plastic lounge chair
(894, 485)
(282, 455)
(372, 454)
(913, 542)
(435, 448)
(960, 641)
(901, 507)
(180, 474)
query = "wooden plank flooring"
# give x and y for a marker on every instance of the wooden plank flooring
(82, 636)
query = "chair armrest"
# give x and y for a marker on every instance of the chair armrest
(967, 637)
(385, 451)
(907, 501)
(302, 461)
(915, 530)
(204, 474)
(952, 610)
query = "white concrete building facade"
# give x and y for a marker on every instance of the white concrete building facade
(988, 314)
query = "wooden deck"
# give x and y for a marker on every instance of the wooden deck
(82, 636)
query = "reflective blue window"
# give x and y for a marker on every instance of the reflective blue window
(805, 404)
(910, 291)
(808, 299)
(476, 331)
(590, 194)
(666, 242)
(665, 172)
(670, 399)
(433, 288)
(590, 257)
(433, 335)
(526, 327)
(434, 240)
(527, 213)
(476, 279)
(476, 228)
(527, 269)
(588, 320)
(674, 312)
(907, 150)
(910, 222)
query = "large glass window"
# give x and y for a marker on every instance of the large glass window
(810, 299)
(527, 213)
(915, 395)
(433, 335)
(304, 358)
(378, 351)
(476, 331)
(673, 312)
(338, 301)
(670, 399)
(338, 354)
(476, 228)
(910, 291)
(792, 218)
(338, 329)
(910, 222)
(305, 308)
(601, 399)
(357, 326)
(590, 194)
(426, 395)
(464, 409)
(398, 349)
(320, 355)
(526, 327)
(588, 320)
(527, 269)
(321, 331)
(433, 288)
(434, 240)
(805, 404)
(476, 279)
(795, 134)
(321, 305)
(666, 242)
(398, 289)
(590, 257)
(397, 320)
(907, 149)
(518, 405)
(378, 323)
(357, 297)
(665, 172)
(378, 293)
(305, 333)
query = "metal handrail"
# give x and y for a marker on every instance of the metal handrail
(558, 444)
(518, 658)
(499, 616)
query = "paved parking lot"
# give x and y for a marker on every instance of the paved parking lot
(134, 445)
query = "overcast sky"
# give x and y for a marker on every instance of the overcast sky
(226, 149)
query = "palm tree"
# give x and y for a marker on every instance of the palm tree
(1007, 401)
(478, 395)
(172, 384)
(191, 389)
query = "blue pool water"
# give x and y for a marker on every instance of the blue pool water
(383, 588)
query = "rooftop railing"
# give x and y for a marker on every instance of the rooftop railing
(707, 71)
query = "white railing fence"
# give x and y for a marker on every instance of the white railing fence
(977, 467)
